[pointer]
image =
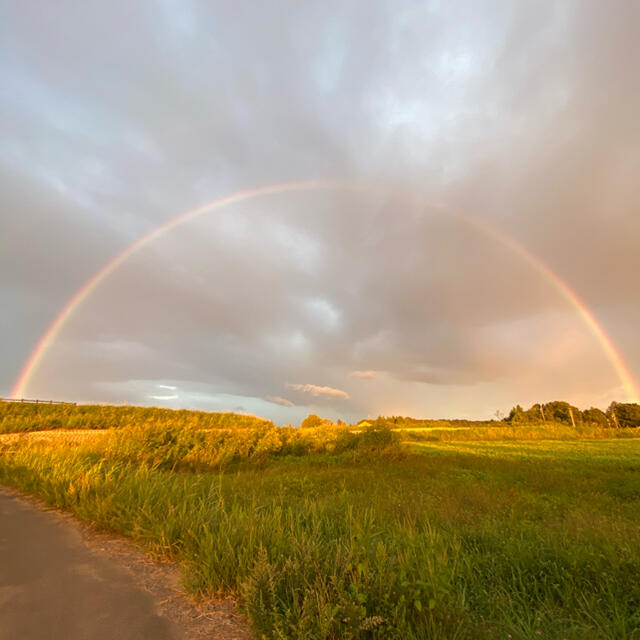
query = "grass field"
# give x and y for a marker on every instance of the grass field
(357, 537)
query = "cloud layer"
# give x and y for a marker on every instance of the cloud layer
(523, 117)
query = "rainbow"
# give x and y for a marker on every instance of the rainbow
(53, 330)
(606, 343)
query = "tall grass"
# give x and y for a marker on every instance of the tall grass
(16, 417)
(520, 433)
(343, 535)
(174, 448)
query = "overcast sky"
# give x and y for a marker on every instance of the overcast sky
(117, 116)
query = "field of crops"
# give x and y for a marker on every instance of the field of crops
(330, 534)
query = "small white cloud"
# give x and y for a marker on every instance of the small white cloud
(365, 375)
(316, 390)
(172, 397)
(166, 386)
(278, 400)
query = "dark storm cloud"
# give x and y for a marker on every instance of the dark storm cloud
(116, 117)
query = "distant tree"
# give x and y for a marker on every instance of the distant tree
(595, 416)
(624, 415)
(563, 412)
(538, 411)
(612, 415)
(312, 421)
(516, 415)
(558, 411)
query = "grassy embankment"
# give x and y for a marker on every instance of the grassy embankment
(16, 417)
(330, 534)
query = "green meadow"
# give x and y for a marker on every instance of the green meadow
(330, 533)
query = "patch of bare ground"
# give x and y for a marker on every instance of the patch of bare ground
(190, 618)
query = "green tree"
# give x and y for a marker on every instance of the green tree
(595, 416)
(624, 415)
(516, 415)
(312, 421)
(562, 412)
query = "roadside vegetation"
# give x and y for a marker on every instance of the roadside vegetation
(30, 416)
(335, 532)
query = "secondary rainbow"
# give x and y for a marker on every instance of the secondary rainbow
(49, 336)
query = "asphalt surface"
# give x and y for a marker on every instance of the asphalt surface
(52, 587)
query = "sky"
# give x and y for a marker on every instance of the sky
(447, 134)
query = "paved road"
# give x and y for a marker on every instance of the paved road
(53, 588)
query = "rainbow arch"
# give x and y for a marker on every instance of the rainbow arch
(53, 330)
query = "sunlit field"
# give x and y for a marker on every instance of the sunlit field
(326, 533)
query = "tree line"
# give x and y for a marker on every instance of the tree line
(619, 415)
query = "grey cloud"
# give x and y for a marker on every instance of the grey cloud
(522, 116)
